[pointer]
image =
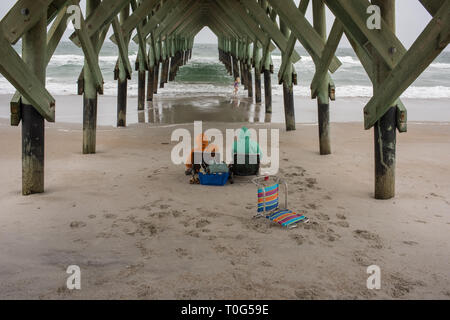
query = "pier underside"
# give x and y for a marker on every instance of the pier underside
(247, 30)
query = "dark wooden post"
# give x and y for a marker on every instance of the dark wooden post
(323, 101)
(34, 50)
(268, 90)
(236, 72)
(122, 82)
(249, 71)
(385, 129)
(151, 71)
(90, 95)
(141, 83)
(288, 88)
(156, 76)
(257, 66)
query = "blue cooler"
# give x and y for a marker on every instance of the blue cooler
(216, 179)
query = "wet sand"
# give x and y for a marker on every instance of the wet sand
(184, 110)
(136, 227)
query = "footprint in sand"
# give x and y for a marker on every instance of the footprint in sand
(109, 216)
(312, 206)
(202, 223)
(323, 217)
(373, 238)
(181, 253)
(362, 259)
(77, 224)
(311, 293)
(343, 224)
(299, 239)
(402, 286)
(341, 216)
(410, 243)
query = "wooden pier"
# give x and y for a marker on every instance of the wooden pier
(248, 31)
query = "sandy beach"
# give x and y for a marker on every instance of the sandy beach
(136, 227)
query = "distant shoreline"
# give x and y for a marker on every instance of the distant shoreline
(181, 110)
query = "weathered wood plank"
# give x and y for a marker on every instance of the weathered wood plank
(422, 53)
(24, 80)
(22, 17)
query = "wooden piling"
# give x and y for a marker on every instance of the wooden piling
(236, 72)
(288, 87)
(257, 66)
(90, 95)
(289, 113)
(385, 129)
(164, 72)
(323, 101)
(156, 76)
(34, 50)
(249, 81)
(141, 90)
(150, 82)
(141, 82)
(268, 90)
(122, 81)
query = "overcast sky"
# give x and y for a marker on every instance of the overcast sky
(411, 20)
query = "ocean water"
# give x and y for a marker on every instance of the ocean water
(206, 76)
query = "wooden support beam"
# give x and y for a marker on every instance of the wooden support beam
(385, 139)
(140, 13)
(303, 30)
(157, 18)
(330, 48)
(13, 68)
(21, 18)
(422, 53)
(303, 6)
(90, 90)
(323, 101)
(123, 46)
(269, 27)
(34, 52)
(124, 67)
(353, 15)
(103, 16)
(89, 53)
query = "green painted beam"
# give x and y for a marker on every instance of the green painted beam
(24, 80)
(353, 15)
(157, 18)
(174, 26)
(431, 42)
(101, 17)
(331, 46)
(18, 20)
(269, 27)
(122, 45)
(176, 15)
(251, 24)
(303, 30)
(89, 53)
(303, 6)
(140, 35)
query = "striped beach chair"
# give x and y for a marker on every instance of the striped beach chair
(269, 203)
